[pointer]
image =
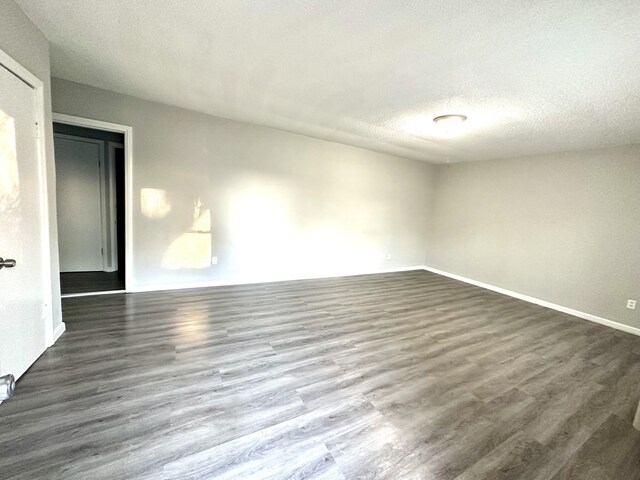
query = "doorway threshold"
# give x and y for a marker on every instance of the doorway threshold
(89, 294)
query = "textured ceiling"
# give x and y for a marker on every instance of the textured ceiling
(532, 76)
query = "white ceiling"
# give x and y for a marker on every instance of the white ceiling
(532, 76)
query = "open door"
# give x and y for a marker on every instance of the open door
(25, 289)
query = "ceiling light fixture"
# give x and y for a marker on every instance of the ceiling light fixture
(449, 121)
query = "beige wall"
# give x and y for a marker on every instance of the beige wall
(20, 39)
(563, 228)
(268, 204)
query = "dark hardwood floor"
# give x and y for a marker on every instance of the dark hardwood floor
(87, 282)
(397, 376)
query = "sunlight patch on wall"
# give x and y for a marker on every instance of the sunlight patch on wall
(272, 235)
(154, 203)
(201, 218)
(9, 181)
(192, 249)
(265, 239)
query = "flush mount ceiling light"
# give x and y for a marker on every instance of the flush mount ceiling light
(449, 121)
(423, 125)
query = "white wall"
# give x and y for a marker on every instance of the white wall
(20, 39)
(269, 204)
(563, 228)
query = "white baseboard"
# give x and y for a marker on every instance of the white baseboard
(221, 283)
(59, 330)
(537, 301)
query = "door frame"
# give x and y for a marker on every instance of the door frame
(128, 181)
(113, 228)
(34, 82)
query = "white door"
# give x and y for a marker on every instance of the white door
(22, 288)
(78, 187)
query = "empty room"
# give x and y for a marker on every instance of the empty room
(279, 239)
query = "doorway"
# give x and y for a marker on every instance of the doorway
(91, 184)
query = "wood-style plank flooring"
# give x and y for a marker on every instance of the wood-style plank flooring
(398, 376)
(87, 282)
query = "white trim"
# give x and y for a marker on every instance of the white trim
(90, 294)
(38, 86)
(221, 283)
(25, 75)
(543, 303)
(59, 330)
(113, 211)
(128, 179)
(104, 225)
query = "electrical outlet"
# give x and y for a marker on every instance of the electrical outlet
(631, 304)
(214, 260)
(388, 256)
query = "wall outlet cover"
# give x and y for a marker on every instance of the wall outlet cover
(631, 304)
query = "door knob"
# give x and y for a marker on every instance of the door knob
(8, 263)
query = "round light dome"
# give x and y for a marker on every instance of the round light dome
(449, 121)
